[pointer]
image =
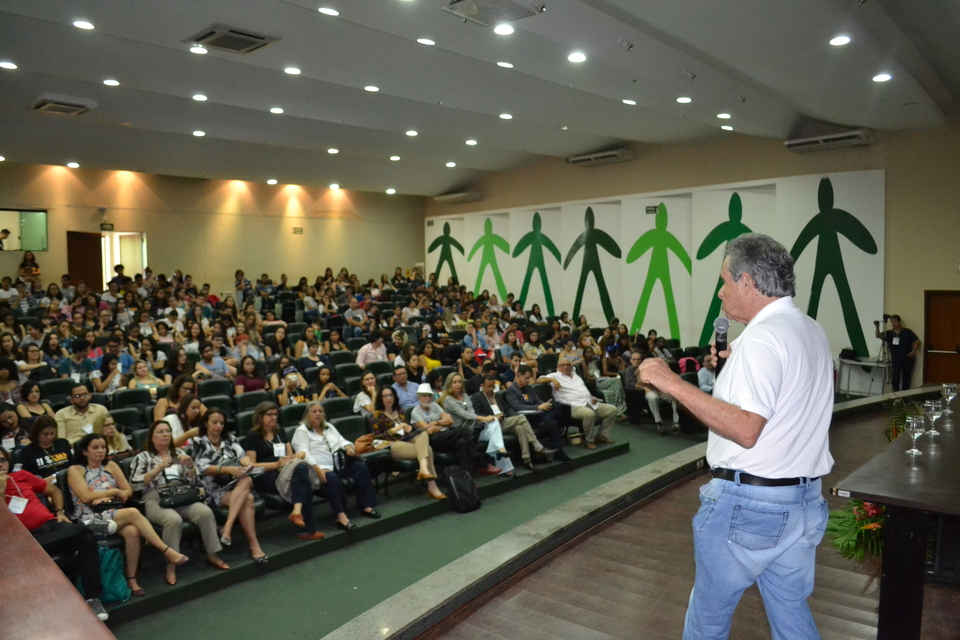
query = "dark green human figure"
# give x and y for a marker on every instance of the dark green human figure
(537, 241)
(588, 241)
(826, 226)
(490, 242)
(444, 243)
(659, 241)
(723, 232)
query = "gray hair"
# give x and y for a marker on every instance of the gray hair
(766, 260)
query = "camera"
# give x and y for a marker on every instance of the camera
(886, 317)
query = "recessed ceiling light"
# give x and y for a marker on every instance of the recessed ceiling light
(394, 158)
(723, 116)
(451, 164)
(506, 116)
(334, 186)
(632, 103)
(6, 64)
(110, 82)
(2, 158)
(82, 24)
(73, 165)
(327, 11)
(292, 71)
(390, 192)
(198, 48)
(684, 100)
(472, 143)
(564, 127)
(577, 56)
(276, 110)
(727, 127)
(503, 30)
(839, 41)
(199, 97)
(882, 77)
(333, 151)
(272, 181)
(411, 133)
(505, 65)
(371, 88)
(426, 41)
(199, 134)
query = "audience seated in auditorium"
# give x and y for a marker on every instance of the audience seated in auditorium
(99, 490)
(226, 472)
(570, 389)
(333, 457)
(162, 465)
(486, 429)
(406, 442)
(117, 445)
(284, 473)
(54, 532)
(445, 437)
(76, 420)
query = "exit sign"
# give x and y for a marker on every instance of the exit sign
(298, 231)
(106, 226)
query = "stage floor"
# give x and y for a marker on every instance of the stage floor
(631, 578)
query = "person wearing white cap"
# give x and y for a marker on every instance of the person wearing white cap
(444, 437)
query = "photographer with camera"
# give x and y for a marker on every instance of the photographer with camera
(902, 344)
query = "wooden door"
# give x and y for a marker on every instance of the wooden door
(85, 259)
(941, 357)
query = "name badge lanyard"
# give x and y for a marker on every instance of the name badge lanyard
(17, 505)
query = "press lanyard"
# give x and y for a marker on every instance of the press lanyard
(17, 505)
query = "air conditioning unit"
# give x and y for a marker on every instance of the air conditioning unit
(57, 105)
(601, 157)
(856, 138)
(227, 38)
(488, 12)
(461, 196)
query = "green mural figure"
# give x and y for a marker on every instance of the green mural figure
(537, 241)
(490, 242)
(825, 226)
(723, 232)
(444, 243)
(659, 241)
(588, 241)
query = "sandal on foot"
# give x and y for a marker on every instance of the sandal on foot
(138, 592)
(260, 559)
(179, 563)
(223, 566)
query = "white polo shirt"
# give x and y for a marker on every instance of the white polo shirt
(572, 392)
(779, 368)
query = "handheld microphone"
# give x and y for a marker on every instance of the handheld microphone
(720, 326)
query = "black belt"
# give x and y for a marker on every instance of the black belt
(746, 478)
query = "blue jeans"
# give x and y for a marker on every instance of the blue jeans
(355, 332)
(744, 534)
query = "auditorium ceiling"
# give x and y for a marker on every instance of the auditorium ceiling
(584, 75)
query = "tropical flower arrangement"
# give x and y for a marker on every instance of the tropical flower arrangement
(857, 530)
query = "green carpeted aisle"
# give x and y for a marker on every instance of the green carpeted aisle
(310, 599)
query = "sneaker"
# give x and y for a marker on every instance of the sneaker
(661, 428)
(98, 609)
(101, 527)
(676, 426)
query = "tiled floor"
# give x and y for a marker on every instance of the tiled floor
(632, 578)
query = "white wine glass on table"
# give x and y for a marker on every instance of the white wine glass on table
(932, 412)
(949, 392)
(914, 428)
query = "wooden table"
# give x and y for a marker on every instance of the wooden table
(911, 489)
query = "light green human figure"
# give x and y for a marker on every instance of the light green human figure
(588, 241)
(826, 226)
(444, 243)
(489, 242)
(723, 232)
(659, 241)
(537, 241)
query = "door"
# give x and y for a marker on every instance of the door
(84, 257)
(941, 357)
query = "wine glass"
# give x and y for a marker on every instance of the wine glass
(914, 427)
(932, 412)
(949, 392)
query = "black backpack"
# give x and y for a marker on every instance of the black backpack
(461, 489)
